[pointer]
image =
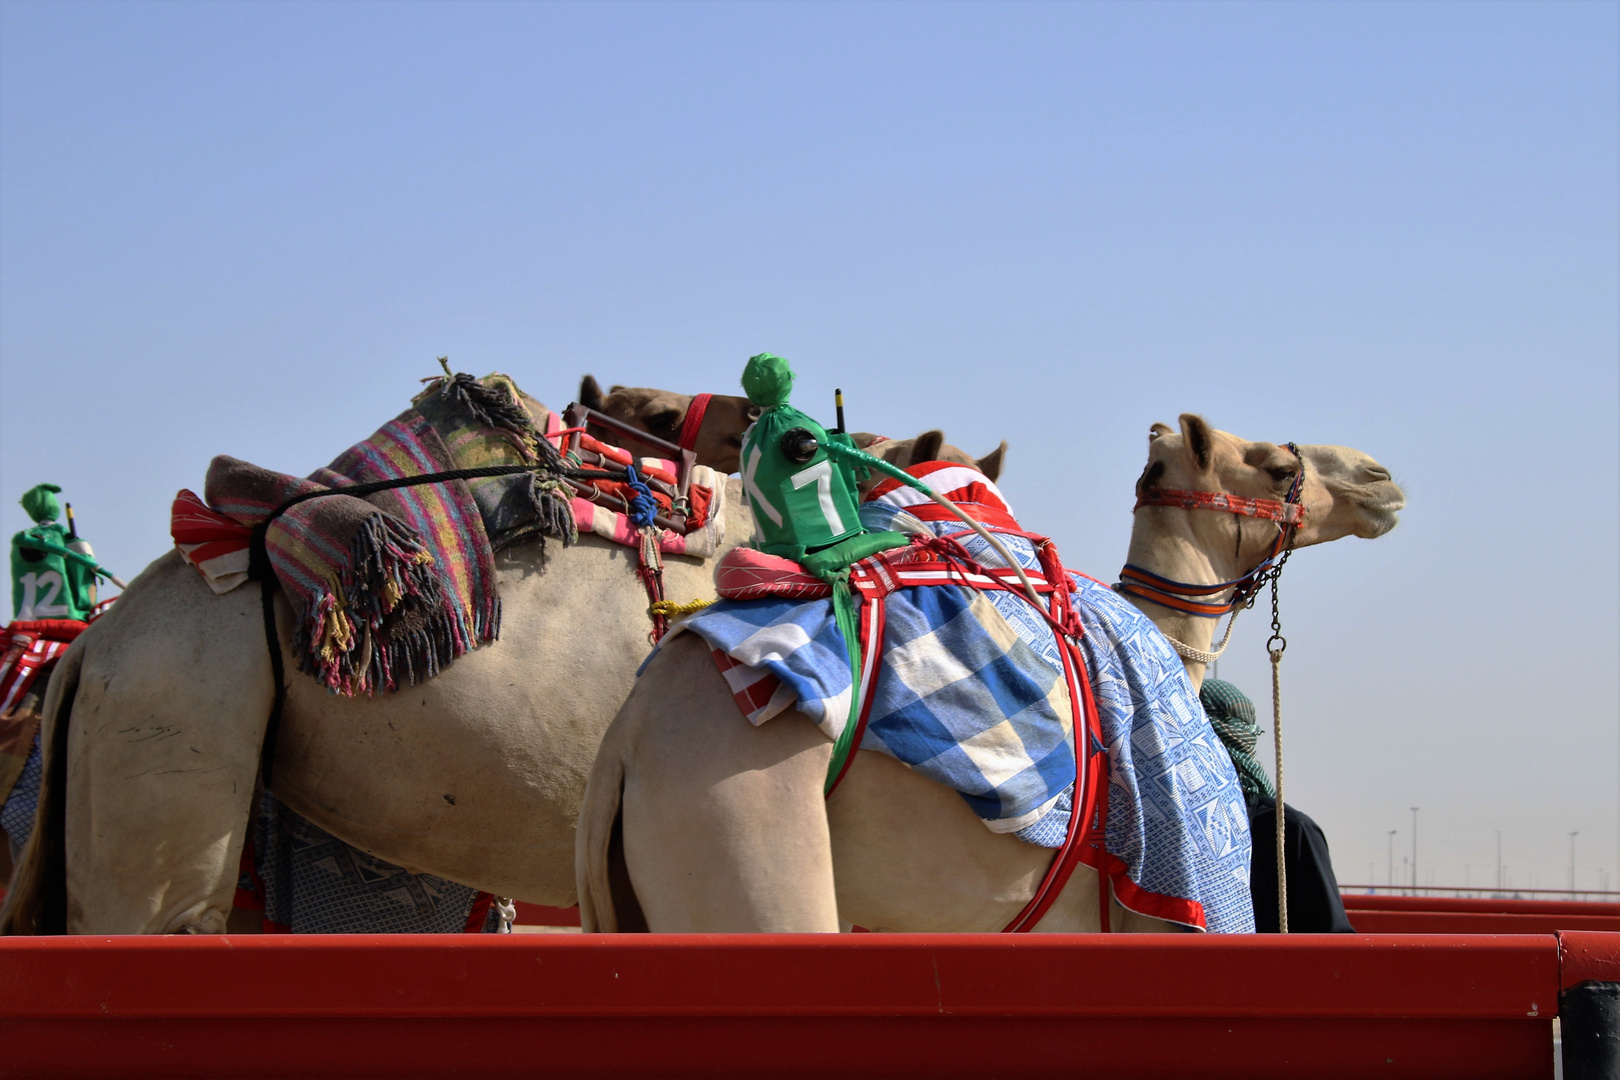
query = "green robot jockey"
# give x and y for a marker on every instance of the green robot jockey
(53, 575)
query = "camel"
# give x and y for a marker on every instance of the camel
(696, 821)
(155, 721)
(662, 413)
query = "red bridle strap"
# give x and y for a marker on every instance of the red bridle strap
(1289, 514)
(1284, 513)
(693, 422)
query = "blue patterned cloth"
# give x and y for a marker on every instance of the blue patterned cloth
(314, 883)
(17, 816)
(971, 695)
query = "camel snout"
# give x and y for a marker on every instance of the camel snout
(1381, 503)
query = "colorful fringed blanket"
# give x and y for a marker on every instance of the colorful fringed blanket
(398, 584)
(970, 694)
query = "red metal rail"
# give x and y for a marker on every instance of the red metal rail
(1452, 915)
(787, 1005)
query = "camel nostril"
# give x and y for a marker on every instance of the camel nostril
(1378, 472)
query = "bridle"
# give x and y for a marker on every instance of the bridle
(687, 440)
(1200, 600)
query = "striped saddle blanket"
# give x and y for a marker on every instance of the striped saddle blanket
(970, 693)
(394, 586)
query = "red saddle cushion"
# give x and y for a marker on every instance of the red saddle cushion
(746, 574)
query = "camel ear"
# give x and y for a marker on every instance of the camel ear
(590, 394)
(990, 464)
(1158, 429)
(1200, 440)
(926, 448)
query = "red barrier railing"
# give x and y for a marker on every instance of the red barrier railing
(786, 1005)
(1453, 915)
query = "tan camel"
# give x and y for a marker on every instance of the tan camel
(719, 439)
(475, 775)
(696, 821)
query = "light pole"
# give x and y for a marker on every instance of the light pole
(1572, 837)
(1414, 850)
(1498, 860)
(1390, 873)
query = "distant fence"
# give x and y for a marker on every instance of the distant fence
(1463, 915)
(1483, 893)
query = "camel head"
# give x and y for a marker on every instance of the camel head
(1346, 493)
(662, 412)
(929, 446)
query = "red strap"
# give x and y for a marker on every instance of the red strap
(1088, 813)
(50, 629)
(1285, 513)
(479, 913)
(694, 421)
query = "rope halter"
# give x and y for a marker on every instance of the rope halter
(1201, 599)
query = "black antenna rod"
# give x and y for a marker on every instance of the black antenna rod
(838, 403)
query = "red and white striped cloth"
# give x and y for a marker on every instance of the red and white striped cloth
(215, 544)
(29, 646)
(963, 485)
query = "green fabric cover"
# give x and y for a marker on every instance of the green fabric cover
(797, 507)
(1231, 714)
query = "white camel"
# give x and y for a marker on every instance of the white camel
(696, 821)
(155, 720)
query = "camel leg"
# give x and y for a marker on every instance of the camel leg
(163, 748)
(724, 825)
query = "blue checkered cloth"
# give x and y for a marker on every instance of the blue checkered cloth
(971, 695)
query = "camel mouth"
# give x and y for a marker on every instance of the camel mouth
(1380, 503)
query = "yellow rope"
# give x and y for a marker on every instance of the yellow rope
(669, 609)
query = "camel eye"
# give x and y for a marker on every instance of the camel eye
(1280, 473)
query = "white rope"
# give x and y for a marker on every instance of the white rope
(1276, 728)
(984, 534)
(1199, 656)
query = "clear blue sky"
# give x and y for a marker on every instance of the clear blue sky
(249, 229)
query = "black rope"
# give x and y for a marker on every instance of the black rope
(260, 569)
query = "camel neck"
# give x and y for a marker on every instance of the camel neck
(1163, 543)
